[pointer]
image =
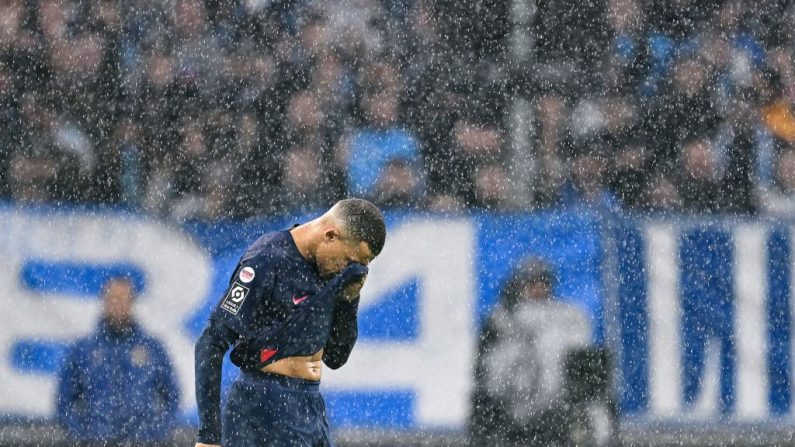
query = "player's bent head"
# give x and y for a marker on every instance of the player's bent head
(353, 230)
(362, 222)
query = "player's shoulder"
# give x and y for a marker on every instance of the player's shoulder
(270, 249)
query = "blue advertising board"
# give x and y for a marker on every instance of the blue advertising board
(421, 308)
(705, 316)
(698, 312)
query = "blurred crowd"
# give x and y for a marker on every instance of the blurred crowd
(211, 109)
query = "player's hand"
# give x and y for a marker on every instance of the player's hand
(199, 444)
(351, 291)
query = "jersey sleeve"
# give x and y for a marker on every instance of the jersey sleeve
(344, 326)
(249, 291)
(209, 356)
(233, 317)
(344, 332)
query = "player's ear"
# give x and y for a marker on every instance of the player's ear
(331, 234)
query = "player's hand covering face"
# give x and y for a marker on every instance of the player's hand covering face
(336, 252)
(352, 290)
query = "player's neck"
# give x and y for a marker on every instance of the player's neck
(302, 235)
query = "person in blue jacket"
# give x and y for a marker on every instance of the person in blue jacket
(290, 307)
(117, 385)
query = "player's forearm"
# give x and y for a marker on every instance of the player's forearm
(209, 356)
(344, 333)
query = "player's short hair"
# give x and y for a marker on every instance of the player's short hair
(363, 221)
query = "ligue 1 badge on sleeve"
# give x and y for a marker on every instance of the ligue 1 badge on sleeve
(246, 275)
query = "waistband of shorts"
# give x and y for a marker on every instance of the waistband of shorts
(292, 383)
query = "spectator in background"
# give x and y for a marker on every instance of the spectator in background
(383, 140)
(305, 119)
(587, 187)
(252, 185)
(745, 140)
(94, 95)
(213, 199)
(117, 385)
(685, 108)
(551, 115)
(519, 396)
(475, 144)
(661, 195)
(399, 185)
(625, 22)
(196, 48)
(779, 197)
(700, 182)
(31, 177)
(493, 189)
(309, 125)
(629, 176)
(45, 139)
(304, 184)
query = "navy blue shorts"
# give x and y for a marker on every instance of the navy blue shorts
(273, 410)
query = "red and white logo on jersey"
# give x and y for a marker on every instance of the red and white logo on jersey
(266, 354)
(246, 275)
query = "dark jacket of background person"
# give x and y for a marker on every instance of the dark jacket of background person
(117, 385)
(519, 396)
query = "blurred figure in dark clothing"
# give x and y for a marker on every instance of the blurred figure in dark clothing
(31, 177)
(581, 46)
(587, 187)
(741, 176)
(519, 397)
(9, 122)
(117, 386)
(400, 185)
(492, 189)
(478, 27)
(304, 182)
(552, 111)
(629, 176)
(680, 18)
(380, 141)
(699, 183)
(474, 144)
(686, 107)
(661, 195)
(779, 198)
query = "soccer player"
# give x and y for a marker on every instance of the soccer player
(290, 306)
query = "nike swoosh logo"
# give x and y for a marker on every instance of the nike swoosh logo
(298, 300)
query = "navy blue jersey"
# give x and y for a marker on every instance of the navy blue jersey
(276, 306)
